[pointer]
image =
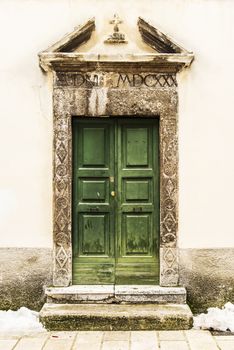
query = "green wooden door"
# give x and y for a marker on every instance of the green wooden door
(115, 201)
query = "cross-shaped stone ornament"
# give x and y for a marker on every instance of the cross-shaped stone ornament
(116, 20)
(116, 37)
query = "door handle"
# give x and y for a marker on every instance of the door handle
(113, 193)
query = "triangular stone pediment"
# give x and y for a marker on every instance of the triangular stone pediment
(116, 42)
(70, 42)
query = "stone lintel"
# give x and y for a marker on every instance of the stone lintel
(60, 61)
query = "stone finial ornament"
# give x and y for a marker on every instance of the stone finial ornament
(116, 37)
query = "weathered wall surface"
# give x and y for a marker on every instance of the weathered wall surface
(208, 275)
(206, 143)
(24, 273)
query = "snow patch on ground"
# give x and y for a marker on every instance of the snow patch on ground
(22, 320)
(217, 319)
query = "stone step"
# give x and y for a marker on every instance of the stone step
(116, 294)
(105, 317)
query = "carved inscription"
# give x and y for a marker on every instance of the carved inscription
(117, 80)
(148, 80)
(78, 80)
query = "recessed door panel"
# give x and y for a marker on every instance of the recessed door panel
(136, 232)
(94, 148)
(137, 190)
(94, 237)
(92, 190)
(136, 146)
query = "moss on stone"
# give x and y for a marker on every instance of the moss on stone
(126, 317)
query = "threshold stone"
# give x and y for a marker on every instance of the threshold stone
(119, 294)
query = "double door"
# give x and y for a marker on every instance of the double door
(115, 201)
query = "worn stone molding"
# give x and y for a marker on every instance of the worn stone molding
(157, 40)
(71, 41)
(74, 61)
(91, 85)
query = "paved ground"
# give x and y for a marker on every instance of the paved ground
(144, 340)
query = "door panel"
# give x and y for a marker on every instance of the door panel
(135, 147)
(94, 150)
(136, 230)
(94, 234)
(115, 201)
(138, 190)
(94, 190)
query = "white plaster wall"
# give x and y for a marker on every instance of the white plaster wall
(206, 113)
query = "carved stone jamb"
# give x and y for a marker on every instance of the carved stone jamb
(89, 86)
(62, 252)
(169, 264)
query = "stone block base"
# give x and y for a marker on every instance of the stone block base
(105, 317)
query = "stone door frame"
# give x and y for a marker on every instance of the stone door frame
(124, 90)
